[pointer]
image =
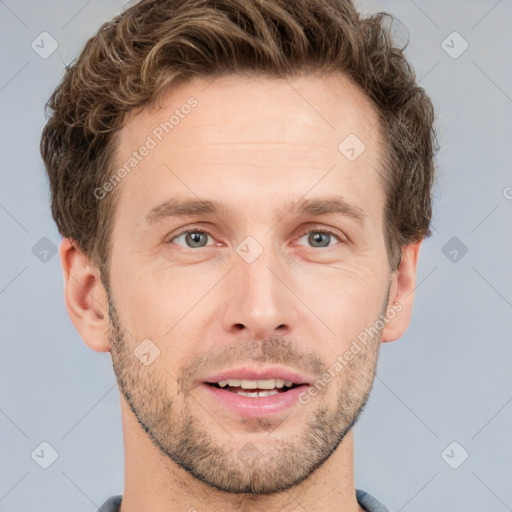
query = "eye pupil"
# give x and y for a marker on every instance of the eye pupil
(318, 237)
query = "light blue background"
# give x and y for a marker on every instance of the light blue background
(448, 379)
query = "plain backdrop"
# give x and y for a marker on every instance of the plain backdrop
(436, 433)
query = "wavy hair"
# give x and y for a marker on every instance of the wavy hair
(156, 44)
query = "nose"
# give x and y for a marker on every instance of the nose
(258, 299)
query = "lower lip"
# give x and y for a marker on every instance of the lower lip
(258, 406)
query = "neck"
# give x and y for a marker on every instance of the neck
(154, 482)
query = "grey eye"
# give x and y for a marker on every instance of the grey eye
(317, 239)
(320, 239)
(193, 239)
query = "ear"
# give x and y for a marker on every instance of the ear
(401, 296)
(85, 296)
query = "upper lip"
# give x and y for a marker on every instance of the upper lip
(252, 373)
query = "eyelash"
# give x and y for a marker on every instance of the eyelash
(335, 234)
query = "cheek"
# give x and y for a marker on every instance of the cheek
(346, 301)
(166, 303)
(139, 301)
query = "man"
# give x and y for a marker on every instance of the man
(243, 187)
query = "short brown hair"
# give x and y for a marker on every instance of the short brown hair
(154, 44)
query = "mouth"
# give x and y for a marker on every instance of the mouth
(255, 388)
(255, 394)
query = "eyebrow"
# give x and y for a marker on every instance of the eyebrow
(336, 204)
(183, 208)
(313, 207)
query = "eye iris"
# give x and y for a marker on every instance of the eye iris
(195, 239)
(319, 237)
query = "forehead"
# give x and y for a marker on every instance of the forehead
(318, 111)
(267, 136)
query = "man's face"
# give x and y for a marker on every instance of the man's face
(261, 284)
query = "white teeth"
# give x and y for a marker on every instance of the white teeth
(255, 384)
(258, 393)
(251, 384)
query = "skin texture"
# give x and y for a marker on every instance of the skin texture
(259, 146)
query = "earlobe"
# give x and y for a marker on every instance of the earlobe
(401, 297)
(85, 296)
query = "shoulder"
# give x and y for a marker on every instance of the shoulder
(112, 504)
(369, 502)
